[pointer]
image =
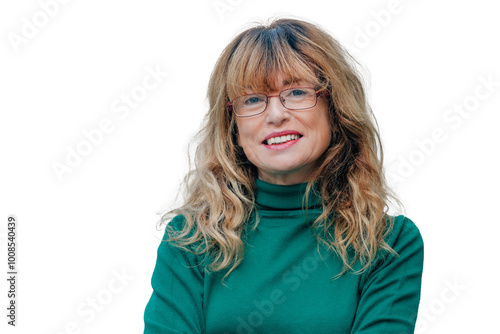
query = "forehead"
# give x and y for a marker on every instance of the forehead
(278, 83)
(267, 62)
(267, 59)
(271, 84)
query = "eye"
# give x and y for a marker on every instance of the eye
(253, 99)
(297, 92)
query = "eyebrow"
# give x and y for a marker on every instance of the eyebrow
(287, 82)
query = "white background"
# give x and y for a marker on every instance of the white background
(424, 60)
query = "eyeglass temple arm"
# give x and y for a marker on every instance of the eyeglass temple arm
(324, 92)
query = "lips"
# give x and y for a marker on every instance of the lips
(280, 134)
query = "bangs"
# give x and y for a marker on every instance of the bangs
(265, 59)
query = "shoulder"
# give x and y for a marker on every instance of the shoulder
(179, 234)
(177, 225)
(176, 241)
(404, 235)
(403, 226)
(405, 239)
(171, 228)
(173, 233)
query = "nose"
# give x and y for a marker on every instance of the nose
(276, 113)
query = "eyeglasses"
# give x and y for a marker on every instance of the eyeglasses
(297, 98)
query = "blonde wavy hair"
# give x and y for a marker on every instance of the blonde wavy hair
(219, 191)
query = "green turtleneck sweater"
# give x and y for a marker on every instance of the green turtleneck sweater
(283, 284)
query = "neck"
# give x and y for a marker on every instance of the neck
(285, 179)
(285, 197)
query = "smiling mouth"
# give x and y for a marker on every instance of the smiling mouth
(281, 139)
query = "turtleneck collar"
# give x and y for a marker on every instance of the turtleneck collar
(269, 196)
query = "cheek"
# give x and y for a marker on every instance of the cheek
(246, 133)
(323, 138)
(242, 139)
(325, 132)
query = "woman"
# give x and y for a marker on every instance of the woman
(285, 226)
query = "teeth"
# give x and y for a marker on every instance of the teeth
(282, 139)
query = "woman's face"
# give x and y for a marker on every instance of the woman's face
(291, 162)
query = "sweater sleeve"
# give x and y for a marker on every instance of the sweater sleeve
(390, 290)
(176, 304)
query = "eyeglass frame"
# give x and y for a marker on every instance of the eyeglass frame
(323, 93)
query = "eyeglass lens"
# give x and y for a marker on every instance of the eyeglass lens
(293, 99)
